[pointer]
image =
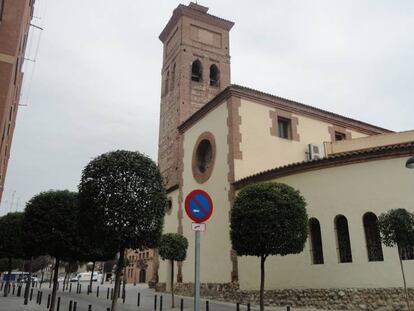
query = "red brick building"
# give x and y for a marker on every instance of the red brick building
(15, 17)
(142, 266)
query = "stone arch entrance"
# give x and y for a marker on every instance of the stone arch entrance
(142, 276)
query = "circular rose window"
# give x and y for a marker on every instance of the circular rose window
(203, 157)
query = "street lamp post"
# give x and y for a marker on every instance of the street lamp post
(410, 163)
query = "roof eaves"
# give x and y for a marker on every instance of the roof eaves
(334, 160)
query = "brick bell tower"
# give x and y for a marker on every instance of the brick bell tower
(196, 67)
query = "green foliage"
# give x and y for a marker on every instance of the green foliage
(50, 220)
(123, 193)
(38, 263)
(173, 246)
(71, 266)
(16, 264)
(397, 228)
(268, 219)
(11, 235)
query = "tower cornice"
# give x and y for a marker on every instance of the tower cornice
(197, 12)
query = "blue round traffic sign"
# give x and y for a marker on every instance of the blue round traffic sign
(198, 205)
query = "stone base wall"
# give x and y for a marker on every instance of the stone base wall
(337, 299)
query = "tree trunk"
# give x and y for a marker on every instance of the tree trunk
(6, 288)
(55, 277)
(262, 281)
(403, 275)
(41, 280)
(90, 282)
(124, 282)
(172, 283)
(119, 268)
(29, 281)
(65, 280)
(51, 276)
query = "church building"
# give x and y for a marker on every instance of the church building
(220, 137)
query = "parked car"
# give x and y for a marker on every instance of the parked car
(86, 277)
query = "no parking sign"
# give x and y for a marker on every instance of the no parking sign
(199, 207)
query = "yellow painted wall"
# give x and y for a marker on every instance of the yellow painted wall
(369, 142)
(351, 190)
(262, 151)
(215, 242)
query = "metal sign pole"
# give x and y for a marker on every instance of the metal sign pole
(197, 272)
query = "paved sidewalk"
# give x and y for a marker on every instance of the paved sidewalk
(101, 303)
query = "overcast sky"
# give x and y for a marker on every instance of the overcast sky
(96, 83)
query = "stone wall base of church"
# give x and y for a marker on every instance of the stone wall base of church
(338, 299)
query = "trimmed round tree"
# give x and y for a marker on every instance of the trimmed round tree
(50, 219)
(173, 247)
(268, 219)
(397, 229)
(11, 241)
(123, 192)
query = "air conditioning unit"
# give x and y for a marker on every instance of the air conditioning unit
(315, 152)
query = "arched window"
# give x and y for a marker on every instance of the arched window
(372, 237)
(316, 241)
(214, 75)
(173, 77)
(196, 71)
(343, 241)
(167, 82)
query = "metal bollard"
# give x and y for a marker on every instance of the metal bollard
(31, 294)
(207, 306)
(155, 302)
(97, 292)
(48, 301)
(107, 293)
(80, 288)
(14, 287)
(108, 309)
(19, 290)
(248, 306)
(238, 306)
(138, 300)
(181, 304)
(112, 293)
(70, 287)
(75, 305)
(287, 308)
(40, 298)
(90, 308)
(70, 305)
(161, 303)
(37, 297)
(88, 290)
(58, 304)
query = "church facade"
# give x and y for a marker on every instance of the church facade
(220, 137)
